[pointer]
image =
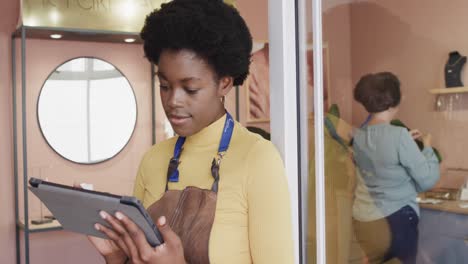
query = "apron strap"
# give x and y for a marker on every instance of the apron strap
(215, 174)
(173, 172)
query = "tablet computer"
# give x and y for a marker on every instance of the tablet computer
(78, 210)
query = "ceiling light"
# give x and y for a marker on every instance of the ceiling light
(129, 40)
(56, 36)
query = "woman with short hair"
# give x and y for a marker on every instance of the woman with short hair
(391, 171)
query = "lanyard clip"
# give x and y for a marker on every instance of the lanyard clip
(220, 157)
(173, 170)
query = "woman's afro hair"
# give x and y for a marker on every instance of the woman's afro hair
(212, 29)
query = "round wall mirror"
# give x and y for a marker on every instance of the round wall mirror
(87, 110)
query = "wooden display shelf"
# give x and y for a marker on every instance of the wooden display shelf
(451, 90)
(54, 225)
(449, 206)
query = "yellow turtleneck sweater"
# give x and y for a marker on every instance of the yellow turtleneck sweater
(253, 218)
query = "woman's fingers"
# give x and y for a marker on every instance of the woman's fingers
(113, 237)
(170, 237)
(415, 133)
(427, 140)
(120, 234)
(172, 243)
(138, 237)
(128, 236)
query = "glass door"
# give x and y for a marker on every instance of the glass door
(382, 120)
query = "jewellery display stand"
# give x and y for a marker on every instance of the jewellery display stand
(453, 69)
(453, 83)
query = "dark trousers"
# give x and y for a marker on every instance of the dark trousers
(395, 236)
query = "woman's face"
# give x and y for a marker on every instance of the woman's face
(191, 93)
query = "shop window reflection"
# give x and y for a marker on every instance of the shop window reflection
(339, 186)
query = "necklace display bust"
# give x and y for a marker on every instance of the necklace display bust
(453, 69)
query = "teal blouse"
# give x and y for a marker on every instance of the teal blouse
(391, 170)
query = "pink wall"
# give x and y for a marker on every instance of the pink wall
(337, 36)
(413, 39)
(255, 14)
(116, 175)
(42, 58)
(8, 18)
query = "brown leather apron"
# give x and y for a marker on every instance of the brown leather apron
(190, 212)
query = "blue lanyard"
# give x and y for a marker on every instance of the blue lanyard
(223, 146)
(366, 121)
